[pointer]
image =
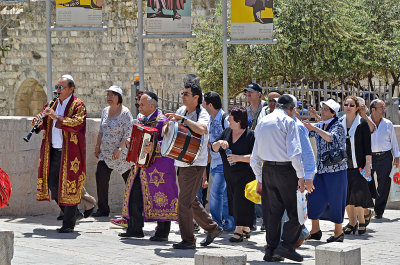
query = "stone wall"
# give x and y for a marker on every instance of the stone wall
(96, 60)
(20, 160)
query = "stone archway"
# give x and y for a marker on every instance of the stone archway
(30, 98)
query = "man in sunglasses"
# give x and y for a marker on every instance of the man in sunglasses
(62, 167)
(384, 149)
(194, 116)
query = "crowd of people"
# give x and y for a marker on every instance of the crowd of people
(268, 142)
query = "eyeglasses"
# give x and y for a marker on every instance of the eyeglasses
(349, 105)
(58, 87)
(110, 96)
(186, 94)
(325, 109)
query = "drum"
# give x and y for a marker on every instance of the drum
(180, 143)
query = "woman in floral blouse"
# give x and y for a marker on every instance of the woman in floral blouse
(328, 200)
(115, 128)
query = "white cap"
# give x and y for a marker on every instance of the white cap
(115, 89)
(331, 104)
(294, 100)
(69, 77)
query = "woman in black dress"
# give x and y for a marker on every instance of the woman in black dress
(240, 140)
(359, 156)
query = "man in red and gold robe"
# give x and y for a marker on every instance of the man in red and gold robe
(62, 167)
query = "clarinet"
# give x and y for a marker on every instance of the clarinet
(36, 124)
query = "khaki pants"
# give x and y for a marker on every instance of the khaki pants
(87, 201)
(189, 180)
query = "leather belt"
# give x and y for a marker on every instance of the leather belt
(379, 153)
(278, 163)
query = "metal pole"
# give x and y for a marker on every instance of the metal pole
(224, 56)
(140, 40)
(133, 101)
(48, 51)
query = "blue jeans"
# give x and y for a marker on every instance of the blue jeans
(219, 199)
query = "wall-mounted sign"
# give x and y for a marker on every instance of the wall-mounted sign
(79, 12)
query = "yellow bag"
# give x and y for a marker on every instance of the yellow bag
(250, 192)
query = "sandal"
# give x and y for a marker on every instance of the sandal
(348, 229)
(367, 217)
(246, 234)
(360, 232)
(236, 240)
(156, 14)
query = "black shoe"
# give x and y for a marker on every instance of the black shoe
(339, 238)
(184, 245)
(361, 232)
(158, 238)
(60, 217)
(236, 240)
(315, 236)
(289, 254)
(137, 234)
(246, 234)
(88, 213)
(378, 216)
(211, 236)
(262, 228)
(348, 229)
(64, 230)
(270, 256)
(99, 214)
(367, 217)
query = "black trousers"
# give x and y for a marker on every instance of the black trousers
(136, 220)
(279, 194)
(382, 165)
(103, 173)
(70, 212)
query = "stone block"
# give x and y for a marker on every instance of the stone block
(218, 257)
(338, 254)
(6, 247)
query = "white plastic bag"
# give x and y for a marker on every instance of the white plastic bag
(302, 206)
(395, 187)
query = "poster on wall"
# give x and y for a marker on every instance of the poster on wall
(251, 19)
(79, 12)
(169, 16)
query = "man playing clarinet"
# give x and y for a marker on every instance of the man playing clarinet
(62, 167)
(151, 193)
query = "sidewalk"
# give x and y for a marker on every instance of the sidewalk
(96, 242)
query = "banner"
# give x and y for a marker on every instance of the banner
(79, 12)
(169, 16)
(251, 19)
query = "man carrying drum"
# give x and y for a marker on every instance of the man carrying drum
(151, 193)
(196, 118)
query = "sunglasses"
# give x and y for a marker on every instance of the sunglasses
(58, 87)
(186, 94)
(349, 105)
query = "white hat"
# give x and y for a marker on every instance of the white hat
(331, 104)
(69, 77)
(115, 89)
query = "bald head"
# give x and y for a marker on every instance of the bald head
(272, 98)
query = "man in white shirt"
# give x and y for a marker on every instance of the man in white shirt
(384, 148)
(279, 171)
(196, 118)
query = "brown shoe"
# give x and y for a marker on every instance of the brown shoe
(299, 243)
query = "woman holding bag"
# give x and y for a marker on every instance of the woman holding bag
(239, 140)
(359, 155)
(328, 200)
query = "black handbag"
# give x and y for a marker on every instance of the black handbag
(335, 155)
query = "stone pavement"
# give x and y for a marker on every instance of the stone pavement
(96, 242)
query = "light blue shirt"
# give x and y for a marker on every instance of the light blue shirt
(307, 154)
(215, 132)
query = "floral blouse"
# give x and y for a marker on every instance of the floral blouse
(113, 131)
(338, 136)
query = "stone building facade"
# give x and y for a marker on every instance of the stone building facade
(95, 59)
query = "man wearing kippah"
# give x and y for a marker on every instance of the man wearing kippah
(62, 164)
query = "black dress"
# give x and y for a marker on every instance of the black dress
(237, 176)
(358, 191)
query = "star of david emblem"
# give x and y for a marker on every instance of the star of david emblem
(156, 177)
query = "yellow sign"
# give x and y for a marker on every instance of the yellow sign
(240, 13)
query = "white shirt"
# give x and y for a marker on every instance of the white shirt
(384, 138)
(56, 134)
(204, 118)
(281, 144)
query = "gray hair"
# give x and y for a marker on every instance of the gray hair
(373, 103)
(151, 100)
(191, 79)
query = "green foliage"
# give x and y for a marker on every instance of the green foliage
(339, 41)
